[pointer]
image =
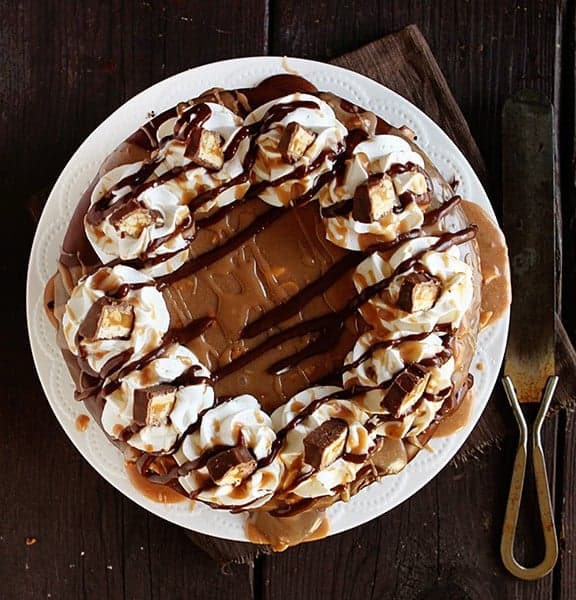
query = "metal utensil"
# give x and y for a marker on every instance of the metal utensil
(529, 192)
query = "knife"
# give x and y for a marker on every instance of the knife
(529, 192)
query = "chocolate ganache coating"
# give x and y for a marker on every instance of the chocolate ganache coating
(238, 304)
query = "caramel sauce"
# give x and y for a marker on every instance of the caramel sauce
(283, 532)
(153, 491)
(456, 420)
(254, 535)
(82, 422)
(496, 293)
(321, 532)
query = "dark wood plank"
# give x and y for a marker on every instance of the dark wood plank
(443, 543)
(486, 49)
(58, 82)
(567, 153)
(567, 583)
(66, 66)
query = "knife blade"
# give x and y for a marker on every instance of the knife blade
(529, 193)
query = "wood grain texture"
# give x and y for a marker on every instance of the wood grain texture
(65, 67)
(403, 61)
(567, 510)
(441, 544)
(424, 549)
(486, 49)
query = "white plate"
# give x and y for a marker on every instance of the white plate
(243, 72)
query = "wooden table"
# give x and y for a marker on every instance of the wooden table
(64, 67)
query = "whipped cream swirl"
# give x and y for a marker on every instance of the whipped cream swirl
(315, 116)
(383, 363)
(150, 316)
(378, 154)
(118, 416)
(199, 180)
(239, 421)
(455, 296)
(311, 483)
(161, 227)
(145, 213)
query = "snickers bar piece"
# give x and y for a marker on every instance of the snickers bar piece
(405, 390)
(412, 185)
(232, 466)
(131, 218)
(294, 142)
(325, 444)
(108, 319)
(153, 405)
(205, 149)
(374, 198)
(418, 292)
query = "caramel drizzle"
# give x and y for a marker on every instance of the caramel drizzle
(298, 301)
(281, 434)
(339, 209)
(433, 216)
(138, 182)
(415, 337)
(204, 260)
(333, 320)
(344, 207)
(118, 367)
(276, 113)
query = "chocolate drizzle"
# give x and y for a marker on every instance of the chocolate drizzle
(433, 216)
(321, 332)
(298, 301)
(415, 337)
(194, 116)
(334, 320)
(340, 209)
(176, 336)
(203, 261)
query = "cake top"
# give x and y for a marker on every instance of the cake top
(271, 296)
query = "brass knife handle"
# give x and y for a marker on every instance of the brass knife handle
(517, 485)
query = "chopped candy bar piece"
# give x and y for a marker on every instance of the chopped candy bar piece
(410, 181)
(295, 141)
(231, 466)
(374, 199)
(325, 444)
(131, 218)
(108, 319)
(406, 389)
(204, 149)
(419, 291)
(152, 405)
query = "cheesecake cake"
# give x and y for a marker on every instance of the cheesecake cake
(268, 298)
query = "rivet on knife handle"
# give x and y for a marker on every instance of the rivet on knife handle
(517, 485)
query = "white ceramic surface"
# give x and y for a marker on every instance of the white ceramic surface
(96, 449)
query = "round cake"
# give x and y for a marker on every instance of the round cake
(268, 298)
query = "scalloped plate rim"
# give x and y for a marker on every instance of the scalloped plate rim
(203, 519)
